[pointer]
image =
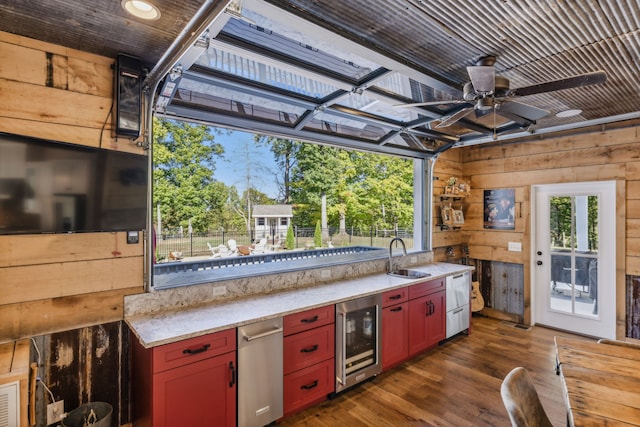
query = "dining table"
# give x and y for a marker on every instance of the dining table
(601, 382)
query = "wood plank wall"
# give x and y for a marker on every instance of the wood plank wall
(597, 156)
(51, 283)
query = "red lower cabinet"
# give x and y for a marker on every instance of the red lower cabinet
(308, 386)
(309, 352)
(413, 320)
(199, 394)
(426, 322)
(188, 383)
(395, 322)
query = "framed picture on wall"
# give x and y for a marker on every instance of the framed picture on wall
(458, 217)
(499, 209)
(446, 214)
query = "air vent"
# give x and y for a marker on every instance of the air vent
(9, 404)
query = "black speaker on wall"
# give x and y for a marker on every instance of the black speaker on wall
(127, 97)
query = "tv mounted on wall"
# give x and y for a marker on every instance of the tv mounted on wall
(53, 187)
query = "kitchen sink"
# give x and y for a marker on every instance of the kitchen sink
(408, 274)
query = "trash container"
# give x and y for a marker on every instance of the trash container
(94, 414)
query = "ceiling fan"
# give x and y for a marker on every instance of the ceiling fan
(488, 92)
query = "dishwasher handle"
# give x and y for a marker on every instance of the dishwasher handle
(263, 334)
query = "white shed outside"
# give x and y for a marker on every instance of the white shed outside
(272, 220)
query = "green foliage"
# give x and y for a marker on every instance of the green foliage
(362, 190)
(290, 240)
(184, 161)
(317, 236)
(561, 213)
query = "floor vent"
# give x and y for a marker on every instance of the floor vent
(9, 404)
(515, 325)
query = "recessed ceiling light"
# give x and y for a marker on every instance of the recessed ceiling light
(141, 9)
(568, 113)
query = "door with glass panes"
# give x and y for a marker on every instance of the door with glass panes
(574, 257)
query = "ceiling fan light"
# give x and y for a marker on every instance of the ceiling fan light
(485, 104)
(568, 113)
(141, 9)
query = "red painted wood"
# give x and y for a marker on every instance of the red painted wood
(303, 321)
(309, 347)
(425, 288)
(188, 351)
(197, 394)
(308, 386)
(395, 338)
(395, 296)
(426, 322)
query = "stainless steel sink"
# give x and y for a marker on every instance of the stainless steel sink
(408, 274)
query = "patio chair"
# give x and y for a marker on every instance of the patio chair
(260, 247)
(233, 246)
(522, 401)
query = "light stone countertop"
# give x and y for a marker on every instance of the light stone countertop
(158, 328)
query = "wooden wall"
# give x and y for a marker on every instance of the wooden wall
(51, 283)
(596, 156)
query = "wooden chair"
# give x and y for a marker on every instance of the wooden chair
(521, 400)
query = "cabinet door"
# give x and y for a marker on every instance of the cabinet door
(395, 339)
(427, 318)
(198, 394)
(437, 319)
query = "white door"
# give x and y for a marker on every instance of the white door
(573, 283)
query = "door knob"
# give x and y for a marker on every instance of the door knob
(539, 262)
(539, 253)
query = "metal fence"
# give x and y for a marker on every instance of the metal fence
(197, 244)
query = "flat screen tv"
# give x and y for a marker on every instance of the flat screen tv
(53, 187)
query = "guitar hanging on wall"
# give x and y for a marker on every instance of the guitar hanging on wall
(477, 300)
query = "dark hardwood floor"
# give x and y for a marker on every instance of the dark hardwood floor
(456, 384)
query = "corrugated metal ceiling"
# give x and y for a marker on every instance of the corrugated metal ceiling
(534, 41)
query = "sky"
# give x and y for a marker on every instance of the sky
(242, 159)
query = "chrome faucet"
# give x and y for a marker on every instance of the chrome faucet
(404, 250)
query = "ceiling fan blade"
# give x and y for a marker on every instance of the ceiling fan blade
(588, 79)
(426, 104)
(527, 112)
(483, 78)
(451, 119)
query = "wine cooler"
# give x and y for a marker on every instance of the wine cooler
(357, 341)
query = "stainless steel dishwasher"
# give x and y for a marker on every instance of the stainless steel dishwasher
(260, 373)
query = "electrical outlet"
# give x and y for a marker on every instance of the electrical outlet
(55, 412)
(515, 247)
(219, 291)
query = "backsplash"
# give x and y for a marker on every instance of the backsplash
(227, 290)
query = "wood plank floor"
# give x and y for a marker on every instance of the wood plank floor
(456, 384)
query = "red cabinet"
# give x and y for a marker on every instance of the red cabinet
(191, 382)
(413, 320)
(395, 321)
(309, 351)
(426, 322)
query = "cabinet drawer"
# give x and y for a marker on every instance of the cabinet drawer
(425, 288)
(308, 386)
(395, 296)
(307, 348)
(193, 349)
(305, 320)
